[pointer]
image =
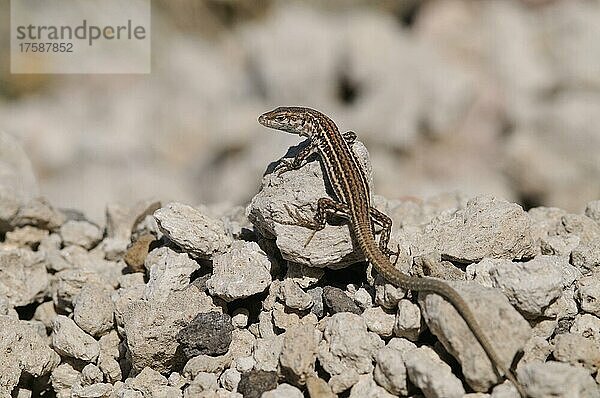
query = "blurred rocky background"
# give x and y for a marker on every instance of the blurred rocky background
(495, 97)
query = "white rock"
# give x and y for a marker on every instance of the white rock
(177, 380)
(241, 272)
(192, 229)
(245, 364)
(390, 371)
(26, 236)
(240, 317)
(110, 368)
(506, 329)
(486, 227)
(90, 374)
(586, 325)
(46, 314)
(88, 267)
(120, 219)
(63, 378)
(22, 350)
(408, 322)
(588, 292)
(81, 233)
(283, 391)
(68, 339)
(267, 352)
(332, 246)
(556, 379)
(122, 298)
(293, 296)
(23, 276)
(366, 387)
(93, 310)
(387, 295)
(347, 350)
(230, 379)
(168, 271)
(363, 298)
(8, 310)
(530, 286)
(433, 376)
(146, 381)
(586, 256)
(39, 213)
(379, 321)
(537, 349)
(592, 210)
(299, 352)
(17, 180)
(577, 350)
(304, 275)
(151, 327)
(202, 383)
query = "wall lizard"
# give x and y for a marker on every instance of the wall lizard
(351, 189)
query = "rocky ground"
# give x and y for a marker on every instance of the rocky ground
(173, 300)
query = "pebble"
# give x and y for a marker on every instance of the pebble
(69, 340)
(24, 279)
(244, 270)
(80, 233)
(256, 382)
(530, 286)
(577, 350)
(347, 349)
(379, 321)
(588, 294)
(433, 376)
(337, 301)
(192, 229)
(408, 322)
(207, 334)
(299, 353)
(556, 379)
(506, 328)
(93, 310)
(390, 370)
(39, 213)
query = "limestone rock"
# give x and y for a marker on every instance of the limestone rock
(347, 350)
(69, 340)
(242, 271)
(23, 276)
(486, 227)
(193, 230)
(505, 327)
(22, 352)
(555, 379)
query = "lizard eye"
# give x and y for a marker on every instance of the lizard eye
(280, 118)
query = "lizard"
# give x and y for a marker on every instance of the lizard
(351, 189)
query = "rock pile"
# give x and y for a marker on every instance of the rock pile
(183, 301)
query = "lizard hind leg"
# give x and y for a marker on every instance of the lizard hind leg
(385, 223)
(325, 207)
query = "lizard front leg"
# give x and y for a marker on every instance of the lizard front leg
(349, 137)
(298, 160)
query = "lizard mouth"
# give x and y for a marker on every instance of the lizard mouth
(262, 119)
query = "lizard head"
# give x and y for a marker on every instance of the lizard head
(295, 120)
